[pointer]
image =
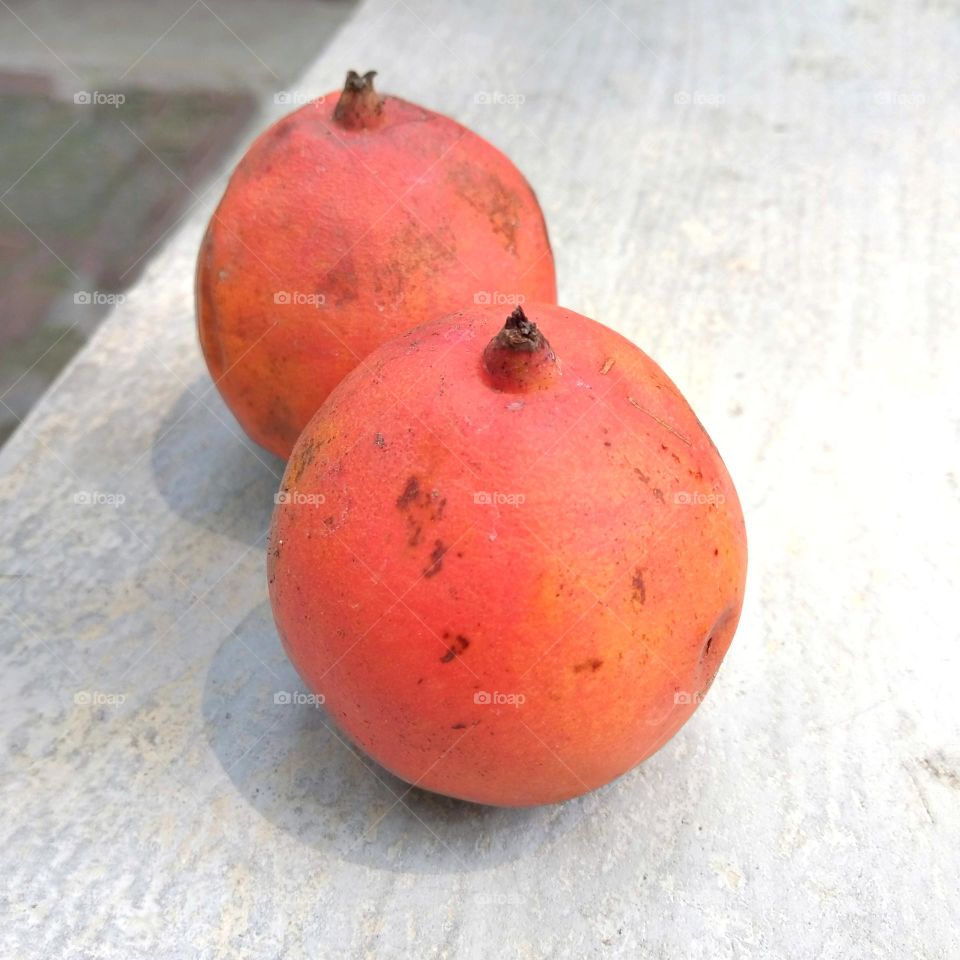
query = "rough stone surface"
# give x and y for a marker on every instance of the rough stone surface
(765, 199)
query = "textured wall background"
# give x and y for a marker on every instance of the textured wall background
(765, 199)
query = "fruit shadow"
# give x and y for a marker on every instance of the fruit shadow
(286, 758)
(209, 472)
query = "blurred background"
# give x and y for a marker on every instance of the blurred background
(88, 191)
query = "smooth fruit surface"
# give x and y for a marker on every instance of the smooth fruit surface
(511, 565)
(347, 222)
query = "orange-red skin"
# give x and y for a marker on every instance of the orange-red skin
(392, 226)
(603, 598)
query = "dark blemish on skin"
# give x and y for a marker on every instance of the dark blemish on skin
(436, 559)
(639, 587)
(592, 665)
(410, 493)
(460, 643)
(607, 365)
(459, 726)
(706, 649)
(379, 441)
(644, 478)
(329, 521)
(415, 530)
(607, 443)
(696, 474)
(716, 552)
(658, 493)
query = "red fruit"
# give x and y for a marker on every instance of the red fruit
(512, 567)
(346, 223)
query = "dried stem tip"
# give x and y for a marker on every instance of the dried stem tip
(519, 358)
(360, 107)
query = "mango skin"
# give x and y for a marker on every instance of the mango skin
(391, 227)
(423, 599)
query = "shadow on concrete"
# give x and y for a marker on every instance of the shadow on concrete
(298, 771)
(209, 472)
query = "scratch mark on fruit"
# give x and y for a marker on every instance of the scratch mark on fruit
(639, 588)
(607, 365)
(460, 643)
(593, 665)
(663, 423)
(436, 559)
(305, 455)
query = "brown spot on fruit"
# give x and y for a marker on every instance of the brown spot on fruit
(607, 365)
(490, 197)
(379, 441)
(593, 665)
(410, 493)
(436, 559)
(460, 643)
(639, 588)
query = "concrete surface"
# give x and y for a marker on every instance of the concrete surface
(765, 199)
(170, 45)
(88, 189)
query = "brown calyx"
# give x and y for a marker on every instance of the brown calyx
(360, 107)
(519, 357)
